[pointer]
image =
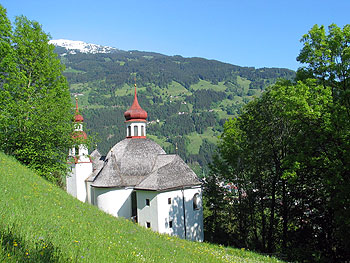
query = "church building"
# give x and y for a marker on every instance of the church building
(137, 180)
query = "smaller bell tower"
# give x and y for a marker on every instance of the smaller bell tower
(80, 162)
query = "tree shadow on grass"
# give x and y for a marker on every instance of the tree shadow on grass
(15, 248)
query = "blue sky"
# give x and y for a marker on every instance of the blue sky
(245, 33)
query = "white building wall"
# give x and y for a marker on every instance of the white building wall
(175, 212)
(164, 213)
(88, 192)
(171, 212)
(82, 172)
(75, 182)
(114, 201)
(83, 154)
(147, 213)
(194, 217)
(71, 182)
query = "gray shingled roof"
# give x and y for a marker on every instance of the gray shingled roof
(97, 163)
(143, 164)
(171, 172)
(127, 163)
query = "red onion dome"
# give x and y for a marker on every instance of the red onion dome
(78, 118)
(79, 135)
(135, 111)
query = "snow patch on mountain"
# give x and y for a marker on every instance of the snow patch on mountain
(73, 46)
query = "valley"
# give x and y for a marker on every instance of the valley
(187, 99)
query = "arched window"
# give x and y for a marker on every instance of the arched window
(136, 131)
(129, 131)
(142, 130)
(196, 202)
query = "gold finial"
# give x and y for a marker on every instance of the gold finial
(135, 81)
(176, 148)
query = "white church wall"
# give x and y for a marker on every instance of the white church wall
(83, 154)
(173, 217)
(71, 182)
(147, 211)
(194, 216)
(114, 201)
(170, 216)
(88, 192)
(82, 171)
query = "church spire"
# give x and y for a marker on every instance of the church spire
(135, 112)
(135, 119)
(77, 117)
(78, 123)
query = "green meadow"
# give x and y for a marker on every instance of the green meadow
(40, 222)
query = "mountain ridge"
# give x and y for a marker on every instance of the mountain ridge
(72, 46)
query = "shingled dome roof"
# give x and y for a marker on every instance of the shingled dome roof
(143, 164)
(135, 112)
(127, 163)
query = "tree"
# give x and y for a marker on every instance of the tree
(327, 58)
(289, 153)
(36, 117)
(270, 154)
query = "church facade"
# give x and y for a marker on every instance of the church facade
(137, 180)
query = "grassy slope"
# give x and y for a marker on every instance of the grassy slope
(41, 223)
(196, 139)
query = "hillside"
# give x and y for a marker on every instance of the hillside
(41, 223)
(187, 99)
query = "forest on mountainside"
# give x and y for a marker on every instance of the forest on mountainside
(187, 99)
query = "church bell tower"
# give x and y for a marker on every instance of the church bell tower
(81, 165)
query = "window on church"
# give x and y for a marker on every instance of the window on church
(148, 224)
(196, 201)
(76, 150)
(169, 201)
(136, 131)
(129, 131)
(142, 130)
(147, 202)
(171, 224)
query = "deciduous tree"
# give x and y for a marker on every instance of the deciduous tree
(289, 152)
(36, 119)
